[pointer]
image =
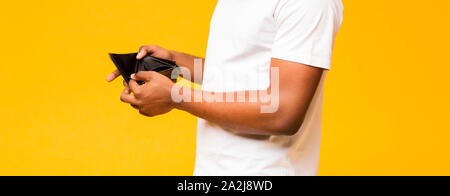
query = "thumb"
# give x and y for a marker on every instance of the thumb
(142, 53)
(142, 76)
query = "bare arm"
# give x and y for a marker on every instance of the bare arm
(187, 61)
(297, 86)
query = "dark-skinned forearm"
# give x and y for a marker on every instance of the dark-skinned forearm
(187, 61)
(243, 117)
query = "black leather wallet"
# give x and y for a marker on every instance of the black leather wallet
(127, 64)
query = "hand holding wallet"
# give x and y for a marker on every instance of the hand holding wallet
(127, 64)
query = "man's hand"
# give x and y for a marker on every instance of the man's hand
(152, 50)
(152, 98)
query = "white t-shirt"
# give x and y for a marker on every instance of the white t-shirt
(244, 36)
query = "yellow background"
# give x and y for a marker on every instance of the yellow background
(386, 98)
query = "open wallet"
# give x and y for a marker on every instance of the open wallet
(127, 64)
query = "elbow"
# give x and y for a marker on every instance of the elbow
(288, 128)
(285, 125)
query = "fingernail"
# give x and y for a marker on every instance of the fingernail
(109, 78)
(139, 54)
(132, 76)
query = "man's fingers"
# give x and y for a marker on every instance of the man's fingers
(135, 107)
(127, 97)
(142, 53)
(125, 84)
(144, 76)
(113, 76)
(134, 87)
(126, 91)
(144, 50)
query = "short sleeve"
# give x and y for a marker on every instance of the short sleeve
(306, 30)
